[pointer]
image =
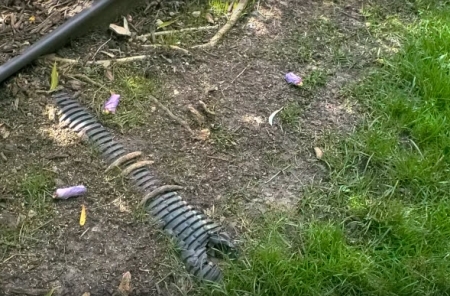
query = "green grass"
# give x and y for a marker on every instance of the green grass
(34, 189)
(380, 225)
(222, 138)
(36, 186)
(134, 108)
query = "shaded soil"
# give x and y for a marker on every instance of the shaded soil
(244, 168)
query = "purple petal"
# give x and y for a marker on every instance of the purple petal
(65, 193)
(111, 104)
(291, 78)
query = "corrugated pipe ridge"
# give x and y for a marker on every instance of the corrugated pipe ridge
(197, 236)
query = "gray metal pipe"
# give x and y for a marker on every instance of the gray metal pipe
(99, 14)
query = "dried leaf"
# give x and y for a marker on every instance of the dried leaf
(319, 152)
(204, 134)
(125, 24)
(125, 284)
(209, 18)
(83, 215)
(54, 78)
(86, 294)
(119, 30)
(109, 75)
(272, 116)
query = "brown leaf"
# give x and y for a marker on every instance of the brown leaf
(109, 75)
(209, 18)
(119, 30)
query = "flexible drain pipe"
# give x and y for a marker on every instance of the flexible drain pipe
(100, 13)
(194, 233)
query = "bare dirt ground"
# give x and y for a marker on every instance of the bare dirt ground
(243, 168)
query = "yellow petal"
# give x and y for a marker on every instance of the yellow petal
(83, 215)
(54, 78)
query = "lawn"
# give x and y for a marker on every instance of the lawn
(380, 225)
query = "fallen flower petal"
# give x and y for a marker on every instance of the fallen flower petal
(272, 116)
(111, 104)
(65, 193)
(294, 79)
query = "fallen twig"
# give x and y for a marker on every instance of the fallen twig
(104, 63)
(227, 27)
(197, 116)
(239, 75)
(25, 291)
(185, 51)
(145, 36)
(205, 108)
(87, 79)
(173, 116)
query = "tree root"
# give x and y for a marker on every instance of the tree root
(227, 27)
(173, 116)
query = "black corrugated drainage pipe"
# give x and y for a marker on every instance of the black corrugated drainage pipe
(194, 233)
(100, 13)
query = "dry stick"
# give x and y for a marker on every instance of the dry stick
(206, 109)
(87, 79)
(158, 191)
(200, 119)
(29, 292)
(171, 115)
(145, 36)
(227, 27)
(104, 63)
(185, 51)
(239, 75)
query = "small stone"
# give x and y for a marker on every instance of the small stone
(196, 13)
(319, 152)
(32, 214)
